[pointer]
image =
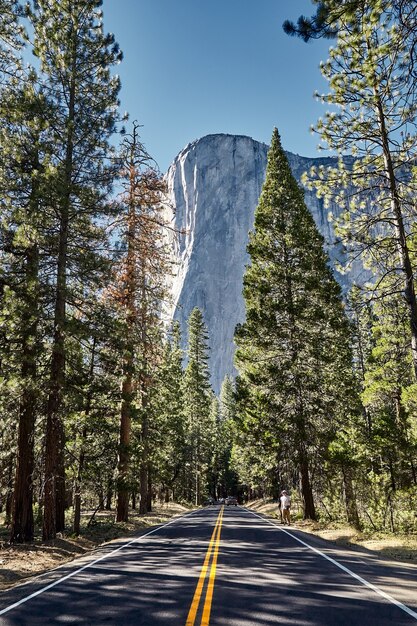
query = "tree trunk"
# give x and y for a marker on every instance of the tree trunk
(123, 489)
(54, 499)
(150, 503)
(77, 486)
(350, 499)
(60, 503)
(109, 495)
(81, 461)
(306, 490)
(9, 494)
(54, 443)
(77, 507)
(22, 527)
(401, 236)
(143, 473)
(123, 467)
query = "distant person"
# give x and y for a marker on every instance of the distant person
(285, 502)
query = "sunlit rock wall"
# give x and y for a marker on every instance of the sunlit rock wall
(214, 185)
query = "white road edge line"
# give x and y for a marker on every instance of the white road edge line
(80, 569)
(400, 605)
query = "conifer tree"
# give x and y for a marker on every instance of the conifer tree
(140, 292)
(375, 121)
(293, 349)
(24, 152)
(197, 403)
(11, 39)
(324, 23)
(170, 421)
(388, 386)
(227, 479)
(75, 60)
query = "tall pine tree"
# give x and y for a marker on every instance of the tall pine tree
(75, 60)
(373, 103)
(293, 350)
(197, 403)
(140, 292)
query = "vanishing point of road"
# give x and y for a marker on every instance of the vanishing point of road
(219, 566)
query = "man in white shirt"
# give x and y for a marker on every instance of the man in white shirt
(285, 501)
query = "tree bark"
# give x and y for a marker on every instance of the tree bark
(401, 236)
(54, 444)
(81, 461)
(9, 493)
(22, 526)
(150, 492)
(144, 470)
(123, 490)
(54, 501)
(109, 495)
(123, 466)
(350, 499)
(77, 486)
(306, 489)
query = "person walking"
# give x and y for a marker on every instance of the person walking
(285, 501)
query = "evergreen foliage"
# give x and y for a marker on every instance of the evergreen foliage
(171, 444)
(139, 292)
(197, 403)
(375, 121)
(371, 74)
(12, 35)
(97, 406)
(227, 479)
(294, 348)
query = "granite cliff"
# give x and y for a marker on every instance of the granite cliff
(214, 185)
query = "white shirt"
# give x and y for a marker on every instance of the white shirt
(285, 501)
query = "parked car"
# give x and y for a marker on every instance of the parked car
(209, 501)
(231, 500)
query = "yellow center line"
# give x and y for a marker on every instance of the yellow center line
(210, 587)
(199, 589)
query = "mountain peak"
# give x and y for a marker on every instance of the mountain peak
(214, 184)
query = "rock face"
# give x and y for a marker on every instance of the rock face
(214, 185)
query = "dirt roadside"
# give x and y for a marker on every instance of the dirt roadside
(399, 547)
(19, 563)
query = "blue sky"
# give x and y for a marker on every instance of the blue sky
(194, 67)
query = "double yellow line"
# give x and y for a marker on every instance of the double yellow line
(213, 549)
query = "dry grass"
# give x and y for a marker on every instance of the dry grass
(19, 562)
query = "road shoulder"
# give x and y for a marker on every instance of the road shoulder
(24, 563)
(392, 547)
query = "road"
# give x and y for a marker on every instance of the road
(219, 566)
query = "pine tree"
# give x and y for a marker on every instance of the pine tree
(23, 157)
(197, 402)
(388, 384)
(226, 479)
(11, 40)
(75, 59)
(293, 349)
(170, 420)
(141, 289)
(325, 23)
(375, 121)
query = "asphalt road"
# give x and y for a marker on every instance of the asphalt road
(219, 567)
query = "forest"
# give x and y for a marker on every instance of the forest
(103, 404)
